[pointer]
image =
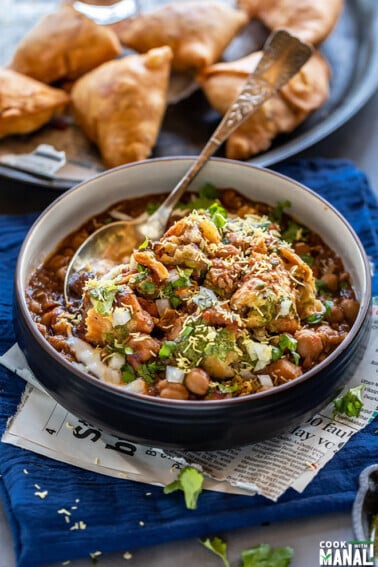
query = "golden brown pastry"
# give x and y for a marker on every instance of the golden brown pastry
(198, 32)
(64, 45)
(304, 93)
(120, 105)
(26, 104)
(310, 20)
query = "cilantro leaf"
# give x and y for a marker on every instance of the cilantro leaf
(227, 388)
(102, 296)
(127, 373)
(308, 259)
(149, 371)
(319, 316)
(151, 207)
(167, 348)
(218, 214)
(206, 196)
(144, 244)
(278, 210)
(217, 546)
(190, 481)
(169, 290)
(350, 404)
(294, 232)
(264, 556)
(148, 287)
(286, 343)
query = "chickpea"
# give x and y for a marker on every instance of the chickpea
(57, 262)
(284, 370)
(174, 392)
(336, 314)
(331, 281)
(197, 381)
(61, 273)
(309, 346)
(302, 248)
(350, 308)
(34, 306)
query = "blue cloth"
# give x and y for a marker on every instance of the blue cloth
(111, 508)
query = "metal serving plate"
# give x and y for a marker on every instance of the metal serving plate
(352, 50)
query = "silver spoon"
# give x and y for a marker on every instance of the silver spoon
(283, 56)
(106, 15)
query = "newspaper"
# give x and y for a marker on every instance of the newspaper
(289, 460)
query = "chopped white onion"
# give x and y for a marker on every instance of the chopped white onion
(116, 361)
(285, 307)
(162, 305)
(173, 275)
(205, 298)
(259, 352)
(121, 316)
(174, 374)
(137, 386)
(265, 380)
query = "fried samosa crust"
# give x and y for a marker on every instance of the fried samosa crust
(303, 94)
(198, 32)
(26, 104)
(64, 45)
(310, 20)
(121, 104)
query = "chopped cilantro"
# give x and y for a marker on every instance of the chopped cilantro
(321, 285)
(187, 330)
(149, 371)
(264, 556)
(276, 353)
(227, 388)
(294, 232)
(151, 207)
(184, 279)
(217, 546)
(127, 373)
(318, 317)
(286, 343)
(206, 196)
(296, 357)
(277, 212)
(190, 481)
(167, 348)
(222, 343)
(350, 404)
(218, 214)
(181, 282)
(102, 296)
(308, 259)
(148, 287)
(144, 244)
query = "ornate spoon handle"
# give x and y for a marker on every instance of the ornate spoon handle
(283, 56)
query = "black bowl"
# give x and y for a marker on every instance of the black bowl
(195, 425)
(365, 506)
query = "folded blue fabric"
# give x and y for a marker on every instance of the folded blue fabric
(120, 514)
